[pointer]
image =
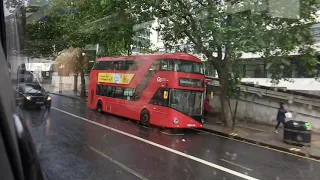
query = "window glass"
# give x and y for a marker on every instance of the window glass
(103, 90)
(166, 65)
(158, 98)
(188, 66)
(132, 65)
(119, 93)
(103, 65)
(155, 66)
(128, 94)
(187, 102)
(33, 89)
(110, 91)
(96, 65)
(112, 65)
(120, 65)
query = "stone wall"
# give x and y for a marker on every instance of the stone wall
(258, 105)
(67, 82)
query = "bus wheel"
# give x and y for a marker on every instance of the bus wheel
(145, 118)
(99, 107)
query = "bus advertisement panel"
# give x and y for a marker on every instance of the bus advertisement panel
(163, 90)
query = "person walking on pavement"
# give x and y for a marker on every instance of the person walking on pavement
(281, 116)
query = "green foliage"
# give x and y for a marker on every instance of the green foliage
(78, 23)
(223, 30)
(40, 39)
(228, 29)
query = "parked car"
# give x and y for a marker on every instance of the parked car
(32, 95)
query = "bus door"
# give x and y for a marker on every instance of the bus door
(159, 101)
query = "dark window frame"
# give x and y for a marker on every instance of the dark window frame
(159, 100)
(103, 90)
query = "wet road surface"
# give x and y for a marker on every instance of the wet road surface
(74, 142)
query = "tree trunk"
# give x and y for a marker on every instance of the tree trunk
(83, 84)
(226, 116)
(75, 82)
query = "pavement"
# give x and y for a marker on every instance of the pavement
(74, 142)
(66, 93)
(263, 135)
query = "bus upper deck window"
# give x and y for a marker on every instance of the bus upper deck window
(166, 65)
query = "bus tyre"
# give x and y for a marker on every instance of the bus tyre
(99, 107)
(145, 118)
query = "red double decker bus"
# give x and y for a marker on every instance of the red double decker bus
(164, 90)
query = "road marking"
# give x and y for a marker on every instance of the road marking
(236, 164)
(265, 147)
(146, 127)
(202, 133)
(171, 134)
(235, 173)
(295, 149)
(119, 164)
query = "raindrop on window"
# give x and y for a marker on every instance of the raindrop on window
(235, 155)
(214, 173)
(268, 65)
(291, 97)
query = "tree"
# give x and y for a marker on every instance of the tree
(82, 22)
(223, 30)
(75, 60)
(41, 39)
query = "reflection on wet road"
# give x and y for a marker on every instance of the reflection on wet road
(76, 143)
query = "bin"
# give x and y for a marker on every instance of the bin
(297, 132)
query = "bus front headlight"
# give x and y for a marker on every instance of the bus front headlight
(176, 121)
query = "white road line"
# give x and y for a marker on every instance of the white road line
(236, 164)
(235, 173)
(202, 133)
(119, 164)
(146, 127)
(171, 134)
